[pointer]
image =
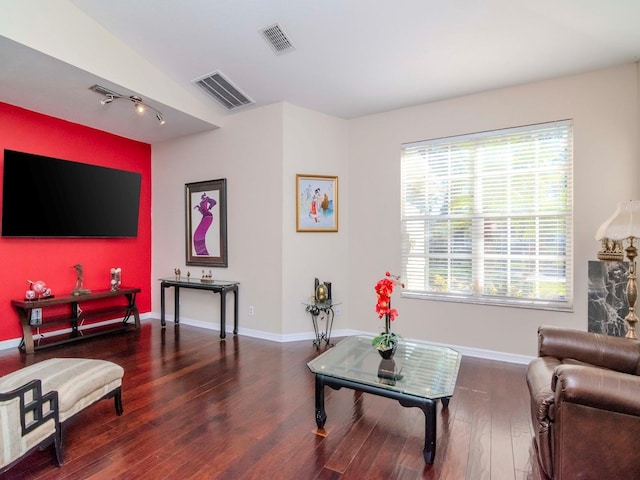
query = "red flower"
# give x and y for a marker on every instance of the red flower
(384, 290)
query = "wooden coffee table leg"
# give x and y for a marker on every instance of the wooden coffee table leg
(321, 415)
(429, 408)
(429, 451)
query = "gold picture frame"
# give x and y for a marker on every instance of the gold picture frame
(316, 203)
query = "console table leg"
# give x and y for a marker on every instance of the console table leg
(223, 314)
(27, 336)
(330, 316)
(176, 305)
(235, 310)
(133, 309)
(317, 342)
(162, 319)
(74, 319)
(321, 415)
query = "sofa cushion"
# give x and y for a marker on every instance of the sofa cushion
(78, 381)
(596, 349)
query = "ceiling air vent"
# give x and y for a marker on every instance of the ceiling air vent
(220, 88)
(277, 39)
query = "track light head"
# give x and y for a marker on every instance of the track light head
(160, 118)
(108, 99)
(137, 102)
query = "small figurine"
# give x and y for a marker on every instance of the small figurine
(115, 278)
(177, 273)
(37, 290)
(79, 288)
(207, 278)
(188, 276)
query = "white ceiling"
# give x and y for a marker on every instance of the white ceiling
(359, 57)
(38, 82)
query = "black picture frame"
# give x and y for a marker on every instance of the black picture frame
(206, 223)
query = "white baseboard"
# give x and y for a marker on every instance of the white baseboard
(467, 351)
(15, 342)
(7, 344)
(294, 337)
(486, 354)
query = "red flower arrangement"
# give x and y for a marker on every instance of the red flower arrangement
(384, 289)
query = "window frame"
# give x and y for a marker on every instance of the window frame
(475, 293)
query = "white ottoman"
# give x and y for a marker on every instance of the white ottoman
(79, 382)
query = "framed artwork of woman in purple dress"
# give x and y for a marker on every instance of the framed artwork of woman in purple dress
(206, 223)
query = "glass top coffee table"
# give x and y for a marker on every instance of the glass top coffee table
(418, 376)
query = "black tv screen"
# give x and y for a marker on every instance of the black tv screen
(49, 197)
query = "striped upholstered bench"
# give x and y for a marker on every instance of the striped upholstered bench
(37, 402)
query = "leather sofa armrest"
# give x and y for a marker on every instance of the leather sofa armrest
(598, 388)
(615, 353)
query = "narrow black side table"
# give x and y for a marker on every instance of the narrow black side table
(323, 311)
(217, 286)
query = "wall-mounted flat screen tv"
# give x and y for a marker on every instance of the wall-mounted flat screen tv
(50, 197)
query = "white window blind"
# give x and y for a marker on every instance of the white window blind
(487, 217)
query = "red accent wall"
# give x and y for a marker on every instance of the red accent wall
(52, 260)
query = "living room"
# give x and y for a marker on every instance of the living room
(265, 249)
(260, 150)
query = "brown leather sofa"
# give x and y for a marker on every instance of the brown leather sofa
(585, 404)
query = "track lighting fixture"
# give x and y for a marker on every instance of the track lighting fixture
(138, 104)
(107, 99)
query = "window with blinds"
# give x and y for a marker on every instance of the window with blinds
(488, 217)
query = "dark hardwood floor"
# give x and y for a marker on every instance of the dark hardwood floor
(198, 407)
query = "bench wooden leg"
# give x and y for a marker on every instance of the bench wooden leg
(59, 446)
(117, 399)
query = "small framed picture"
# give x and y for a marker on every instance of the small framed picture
(316, 203)
(206, 223)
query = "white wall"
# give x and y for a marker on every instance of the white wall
(604, 108)
(259, 151)
(315, 144)
(248, 153)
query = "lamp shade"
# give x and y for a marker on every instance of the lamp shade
(624, 223)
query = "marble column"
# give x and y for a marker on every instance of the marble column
(607, 299)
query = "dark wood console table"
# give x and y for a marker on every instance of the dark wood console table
(75, 318)
(216, 286)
